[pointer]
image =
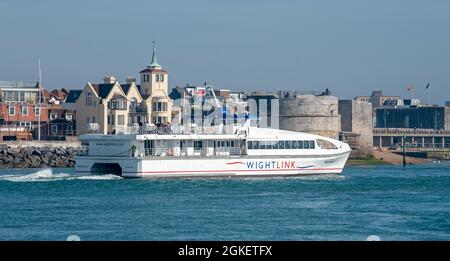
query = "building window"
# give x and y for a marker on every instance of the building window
(146, 78)
(37, 111)
(133, 104)
(161, 77)
(113, 117)
(89, 99)
(69, 129)
(159, 119)
(159, 106)
(121, 120)
(54, 129)
(117, 104)
(53, 116)
(87, 120)
(24, 110)
(93, 119)
(109, 119)
(157, 77)
(12, 110)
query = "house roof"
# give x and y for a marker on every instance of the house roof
(58, 94)
(151, 70)
(72, 96)
(104, 89)
(125, 87)
(176, 93)
(60, 111)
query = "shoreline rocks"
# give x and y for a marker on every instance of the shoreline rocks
(39, 157)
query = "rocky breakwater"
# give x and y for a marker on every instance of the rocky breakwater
(39, 157)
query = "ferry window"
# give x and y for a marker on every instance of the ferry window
(281, 145)
(306, 144)
(255, 145)
(311, 144)
(262, 145)
(287, 144)
(249, 145)
(294, 144)
(300, 144)
(222, 144)
(198, 144)
(272, 145)
(231, 143)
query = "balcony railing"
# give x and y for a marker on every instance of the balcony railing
(422, 146)
(401, 131)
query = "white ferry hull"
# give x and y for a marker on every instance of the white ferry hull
(134, 167)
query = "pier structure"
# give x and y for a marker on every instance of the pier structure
(416, 139)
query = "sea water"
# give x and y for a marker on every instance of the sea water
(389, 202)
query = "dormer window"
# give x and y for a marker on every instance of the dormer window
(53, 116)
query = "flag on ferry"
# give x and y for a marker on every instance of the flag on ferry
(410, 87)
(428, 85)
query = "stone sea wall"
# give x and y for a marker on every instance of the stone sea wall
(38, 157)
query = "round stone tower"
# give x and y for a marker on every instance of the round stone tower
(309, 113)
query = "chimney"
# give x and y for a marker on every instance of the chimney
(130, 80)
(109, 79)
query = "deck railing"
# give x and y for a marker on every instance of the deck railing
(170, 152)
(175, 130)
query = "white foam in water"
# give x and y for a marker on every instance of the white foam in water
(48, 175)
(99, 177)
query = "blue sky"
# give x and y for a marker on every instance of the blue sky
(350, 47)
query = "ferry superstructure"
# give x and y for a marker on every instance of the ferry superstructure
(244, 152)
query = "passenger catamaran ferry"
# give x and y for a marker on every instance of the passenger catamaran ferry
(245, 151)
